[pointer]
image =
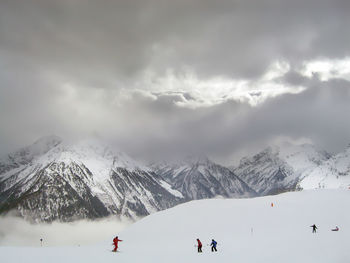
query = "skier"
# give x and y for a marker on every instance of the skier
(115, 242)
(213, 245)
(314, 227)
(199, 245)
(336, 229)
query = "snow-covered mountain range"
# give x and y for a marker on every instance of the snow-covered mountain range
(52, 180)
(55, 180)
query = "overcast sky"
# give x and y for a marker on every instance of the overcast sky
(223, 78)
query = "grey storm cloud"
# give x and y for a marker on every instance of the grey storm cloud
(319, 113)
(89, 40)
(70, 67)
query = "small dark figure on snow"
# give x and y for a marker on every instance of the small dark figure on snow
(115, 242)
(314, 227)
(199, 245)
(213, 245)
(336, 229)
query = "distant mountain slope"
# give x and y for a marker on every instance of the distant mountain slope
(333, 173)
(198, 178)
(84, 180)
(279, 169)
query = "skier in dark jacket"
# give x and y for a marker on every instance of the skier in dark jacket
(199, 245)
(115, 242)
(314, 227)
(213, 245)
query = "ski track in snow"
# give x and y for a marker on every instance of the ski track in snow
(247, 230)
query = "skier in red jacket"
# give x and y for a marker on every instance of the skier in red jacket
(199, 245)
(115, 242)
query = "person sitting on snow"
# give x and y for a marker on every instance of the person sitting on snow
(336, 229)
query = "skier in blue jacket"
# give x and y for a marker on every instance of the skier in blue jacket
(213, 245)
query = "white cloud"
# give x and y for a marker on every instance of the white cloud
(276, 70)
(213, 91)
(327, 69)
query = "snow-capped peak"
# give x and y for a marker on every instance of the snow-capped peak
(303, 157)
(86, 177)
(29, 153)
(91, 151)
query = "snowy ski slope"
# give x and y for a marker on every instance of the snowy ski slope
(247, 230)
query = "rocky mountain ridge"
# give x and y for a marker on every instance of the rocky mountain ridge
(54, 180)
(199, 178)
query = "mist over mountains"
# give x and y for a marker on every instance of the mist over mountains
(54, 180)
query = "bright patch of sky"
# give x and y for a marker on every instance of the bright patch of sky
(195, 92)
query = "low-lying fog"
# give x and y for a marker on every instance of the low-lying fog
(15, 231)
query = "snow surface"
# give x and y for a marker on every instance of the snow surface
(247, 230)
